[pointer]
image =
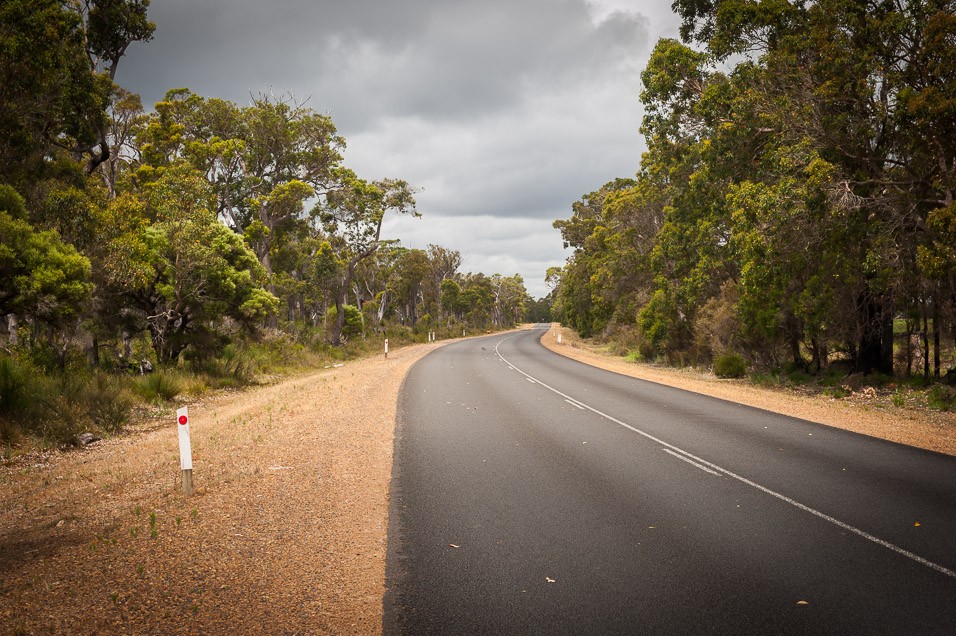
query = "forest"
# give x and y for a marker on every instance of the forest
(794, 209)
(194, 245)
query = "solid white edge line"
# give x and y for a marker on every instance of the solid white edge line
(752, 484)
(574, 404)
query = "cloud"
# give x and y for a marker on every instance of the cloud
(502, 112)
(364, 59)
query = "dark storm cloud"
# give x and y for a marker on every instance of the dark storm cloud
(361, 59)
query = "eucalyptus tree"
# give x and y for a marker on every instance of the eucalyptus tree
(41, 277)
(866, 83)
(58, 61)
(352, 217)
(179, 269)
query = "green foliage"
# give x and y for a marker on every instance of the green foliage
(39, 274)
(108, 402)
(837, 392)
(899, 398)
(185, 230)
(160, 386)
(352, 326)
(20, 399)
(942, 397)
(794, 197)
(730, 365)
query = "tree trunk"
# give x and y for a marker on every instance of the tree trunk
(886, 355)
(13, 325)
(876, 339)
(341, 296)
(95, 352)
(936, 360)
(909, 348)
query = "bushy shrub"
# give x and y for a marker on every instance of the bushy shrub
(353, 320)
(107, 402)
(730, 365)
(942, 397)
(162, 385)
(20, 396)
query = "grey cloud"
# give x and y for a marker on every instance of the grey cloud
(359, 59)
(504, 112)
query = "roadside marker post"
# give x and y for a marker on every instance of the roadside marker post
(559, 338)
(185, 449)
(386, 347)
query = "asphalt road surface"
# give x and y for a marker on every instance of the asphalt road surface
(533, 494)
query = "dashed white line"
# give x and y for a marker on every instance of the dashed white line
(681, 452)
(574, 404)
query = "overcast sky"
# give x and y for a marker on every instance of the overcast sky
(502, 112)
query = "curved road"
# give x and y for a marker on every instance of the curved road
(533, 494)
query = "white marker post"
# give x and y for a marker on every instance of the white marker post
(386, 347)
(185, 449)
(559, 338)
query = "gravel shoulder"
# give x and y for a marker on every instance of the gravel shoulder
(285, 534)
(931, 430)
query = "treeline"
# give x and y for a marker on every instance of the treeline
(175, 237)
(795, 204)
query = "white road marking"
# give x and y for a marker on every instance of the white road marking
(574, 404)
(531, 380)
(692, 463)
(744, 480)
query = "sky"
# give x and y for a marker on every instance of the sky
(501, 113)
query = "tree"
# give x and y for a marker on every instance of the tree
(182, 270)
(412, 269)
(41, 277)
(354, 216)
(511, 299)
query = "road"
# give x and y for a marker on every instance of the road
(533, 494)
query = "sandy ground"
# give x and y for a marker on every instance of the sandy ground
(287, 531)
(921, 428)
(285, 535)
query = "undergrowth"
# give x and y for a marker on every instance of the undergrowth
(45, 405)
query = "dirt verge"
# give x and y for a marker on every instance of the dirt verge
(285, 535)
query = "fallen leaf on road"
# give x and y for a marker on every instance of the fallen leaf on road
(452, 545)
(917, 524)
(549, 579)
(802, 603)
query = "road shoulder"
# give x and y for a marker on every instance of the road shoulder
(285, 534)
